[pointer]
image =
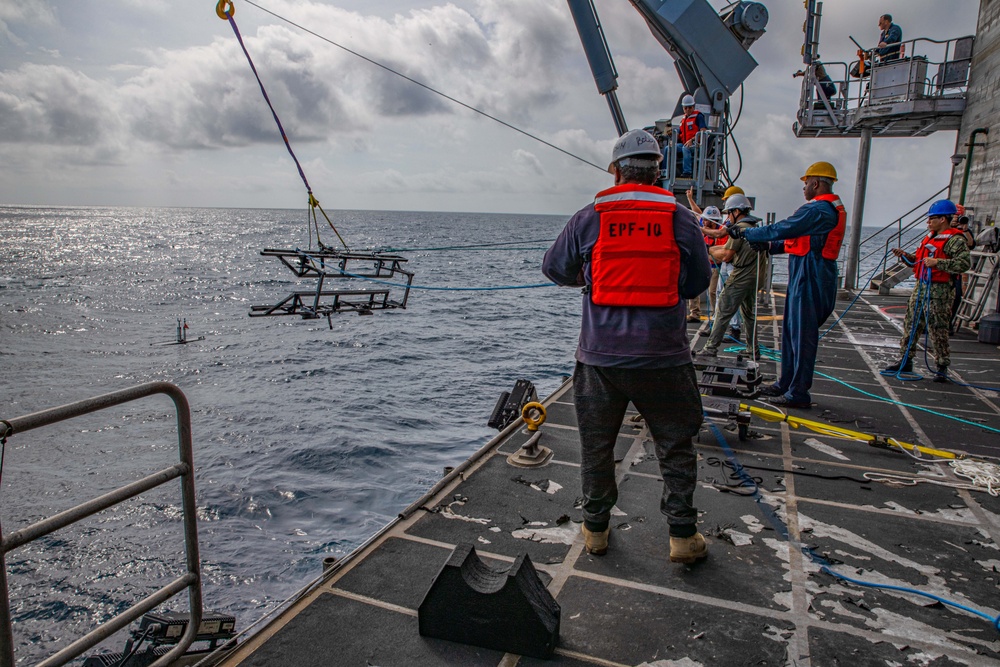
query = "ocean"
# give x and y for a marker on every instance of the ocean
(308, 438)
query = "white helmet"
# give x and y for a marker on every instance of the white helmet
(712, 213)
(687, 101)
(739, 202)
(636, 143)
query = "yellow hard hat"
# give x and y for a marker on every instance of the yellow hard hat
(821, 169)
(732, 190)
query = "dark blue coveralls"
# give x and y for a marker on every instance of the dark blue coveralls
(811, 295)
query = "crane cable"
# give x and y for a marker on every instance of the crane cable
(225, 11)
(418, 83)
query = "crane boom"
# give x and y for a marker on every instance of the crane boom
(710, 53)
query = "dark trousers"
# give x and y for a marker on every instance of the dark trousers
(669, 401)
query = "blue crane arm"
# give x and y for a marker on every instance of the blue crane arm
(709, 49)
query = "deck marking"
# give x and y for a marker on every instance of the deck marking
(978, 393)
(824, 448)
(920, 433)
(707, 600)
(373, 602)
(799, 652)
(583, 657)
(565, 427)
(563, 571)
(799, 641)
(988, 521)
(891, 512)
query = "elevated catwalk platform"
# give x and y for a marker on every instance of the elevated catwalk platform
(754, 601)
(913, 96)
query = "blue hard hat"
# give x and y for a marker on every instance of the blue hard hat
(942, 207)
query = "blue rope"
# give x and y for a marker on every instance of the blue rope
(856, 297)
(899, 373)
(425, 287)
(477, 246)
(781, 528)
(922, 313)
(773, 355)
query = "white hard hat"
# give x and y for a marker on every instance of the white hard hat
(636, 143)
(737, 201)
(687, 101)
(712, 213)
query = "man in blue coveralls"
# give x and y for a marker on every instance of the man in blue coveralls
(639, 256)
(811, 237)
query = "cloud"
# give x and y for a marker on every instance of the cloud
(56, 106)
(144, 88)
(528, 160)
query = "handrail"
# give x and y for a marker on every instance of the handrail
(191, 580)
(900, 229)
(900, 218)
(854, 93)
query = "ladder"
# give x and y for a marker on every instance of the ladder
(979, 284)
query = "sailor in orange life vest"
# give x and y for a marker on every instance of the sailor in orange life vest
(941, 255)
(639, 256)
(692, 123)
(812, 237)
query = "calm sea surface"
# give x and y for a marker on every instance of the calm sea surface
(307, 439)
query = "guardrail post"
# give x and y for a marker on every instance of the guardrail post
(190, 580)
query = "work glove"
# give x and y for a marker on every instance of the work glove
(736, 232)
(760, 246)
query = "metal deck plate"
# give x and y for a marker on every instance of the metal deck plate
(757, 600)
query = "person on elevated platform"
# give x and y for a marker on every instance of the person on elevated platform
(639, 256)
(889, 39)
(812, 237)
(941, 255)
(692, 123)
(826, 84)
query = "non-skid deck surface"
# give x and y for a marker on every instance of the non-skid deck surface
(757, 600)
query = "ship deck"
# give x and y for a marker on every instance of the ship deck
(757, 599)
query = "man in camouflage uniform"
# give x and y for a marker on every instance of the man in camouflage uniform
(739, 294)
(941, 255)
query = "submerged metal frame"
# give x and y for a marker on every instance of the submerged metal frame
(184, 469)
(323, 264)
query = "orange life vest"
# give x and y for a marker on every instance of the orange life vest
(933, 246)
(688, 127)
(636, 261)
(834, 238)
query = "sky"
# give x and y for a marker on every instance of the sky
(152, 103)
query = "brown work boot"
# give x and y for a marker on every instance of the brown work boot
(595, 543)
(688, 549)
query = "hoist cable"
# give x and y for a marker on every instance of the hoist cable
(225, 10)
(423, 85)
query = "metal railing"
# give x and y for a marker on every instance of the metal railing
(708, 155)
(898, 235)
(184, 469)
(940, 70)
